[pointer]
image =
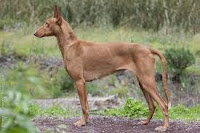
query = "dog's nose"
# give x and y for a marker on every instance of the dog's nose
(34, 34)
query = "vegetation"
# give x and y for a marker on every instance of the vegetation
(18, 109)
(179, 59)
(14, 113)
(135, 109)
(29, 80)
(53, 110)
(147, 14)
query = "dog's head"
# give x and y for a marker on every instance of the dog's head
(52, 25)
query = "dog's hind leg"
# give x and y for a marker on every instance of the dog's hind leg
(149, 85)
(150, 105)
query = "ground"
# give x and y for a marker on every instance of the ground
(103, 124)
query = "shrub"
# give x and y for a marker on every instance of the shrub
(179, 59)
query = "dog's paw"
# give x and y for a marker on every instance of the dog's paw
(145, 122)
(161, 129)
(80, 123)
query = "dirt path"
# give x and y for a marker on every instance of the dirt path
(102, 124)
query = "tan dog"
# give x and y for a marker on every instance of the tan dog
(87, 61)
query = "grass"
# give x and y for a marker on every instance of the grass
(26, 44)
(131, 109)
(135, 109)
(23, 41)
(53, 110)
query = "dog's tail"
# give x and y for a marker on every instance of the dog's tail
(164, 75)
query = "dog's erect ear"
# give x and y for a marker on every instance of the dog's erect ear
(56, 12)
(57, 15)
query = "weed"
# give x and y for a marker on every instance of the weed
(130, 109)
(136, 109)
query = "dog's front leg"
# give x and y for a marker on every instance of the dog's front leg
(80, 86)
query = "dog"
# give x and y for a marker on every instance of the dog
(86, 61)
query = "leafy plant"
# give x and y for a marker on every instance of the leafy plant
(130, 109)
(14, 113)
(179, 59)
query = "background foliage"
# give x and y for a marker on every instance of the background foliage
(147, 14)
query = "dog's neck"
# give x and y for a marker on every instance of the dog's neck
(66, 36)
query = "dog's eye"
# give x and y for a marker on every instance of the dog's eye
(47, 24)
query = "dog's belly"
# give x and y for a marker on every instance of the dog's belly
(92, 75)
(98, 70)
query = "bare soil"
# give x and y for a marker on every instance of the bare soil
(103, 124)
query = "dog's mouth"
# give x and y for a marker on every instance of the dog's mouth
(42, 36)
(39, 36)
